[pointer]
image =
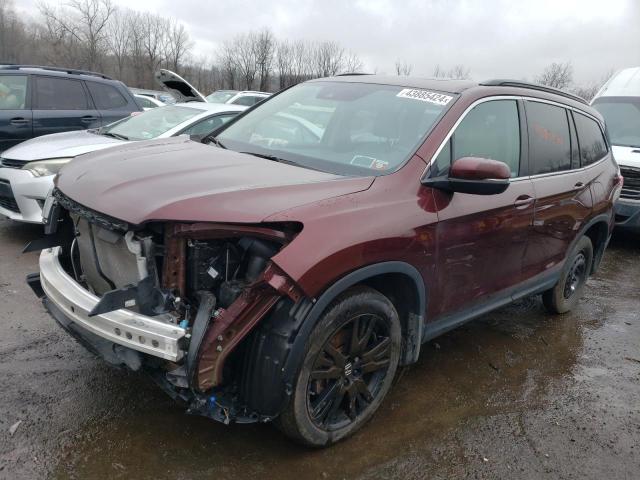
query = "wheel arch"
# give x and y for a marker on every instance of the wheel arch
(598, 233)
(279, 344)
(401, 283)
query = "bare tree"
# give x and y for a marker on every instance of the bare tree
(328, 59)
(177, 44)
(137, 58)
(264, 45)
(11, 32)
(457, 72)
(302, 53)
(119, 37)
(228, 65)
(245, 58)
(557, 75)
(589, 90)
(352, 63)
(154, 30)
(403, 68)
(82, 20)
(438, 72)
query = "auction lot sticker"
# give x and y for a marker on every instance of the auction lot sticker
(425, 96)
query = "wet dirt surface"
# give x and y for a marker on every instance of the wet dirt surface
(515, 394)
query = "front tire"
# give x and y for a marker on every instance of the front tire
(352, 355)
(568, 291)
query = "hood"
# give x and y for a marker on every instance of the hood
(177, 86)
(59, 145)
(627, 156)
(177, 179)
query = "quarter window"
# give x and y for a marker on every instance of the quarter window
(13, 92)
(59, 94)
(490, 130)
(106, 97)
(208, 125)
(549, 141)
(592, 144)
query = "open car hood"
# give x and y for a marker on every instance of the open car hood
(181, 180)
(177, 86)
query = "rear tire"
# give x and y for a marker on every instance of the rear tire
(568, 291)
(351, 357)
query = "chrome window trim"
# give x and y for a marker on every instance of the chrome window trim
(516, 98)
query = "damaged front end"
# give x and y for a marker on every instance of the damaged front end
(173, 299)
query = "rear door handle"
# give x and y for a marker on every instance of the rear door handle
(523, 201)
(18, 121)
(88, 118)
(578, 186)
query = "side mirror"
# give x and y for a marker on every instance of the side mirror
(474, 175)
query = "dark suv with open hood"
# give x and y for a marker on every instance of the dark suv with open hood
(284, 269)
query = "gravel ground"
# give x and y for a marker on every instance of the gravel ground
(515, 394)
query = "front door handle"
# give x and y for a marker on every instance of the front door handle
(523, 201)
(578, 186)
(18, 121)
(88, 118)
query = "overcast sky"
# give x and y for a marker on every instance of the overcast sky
(493, 38)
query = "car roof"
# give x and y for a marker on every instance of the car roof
(55, 72)
(212, 107)
(443, 85)
(459, 86)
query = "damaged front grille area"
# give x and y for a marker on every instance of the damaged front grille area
(213, 282)
(92, 216)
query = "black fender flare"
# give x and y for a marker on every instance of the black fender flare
(349, 280)
(597, 251)
(278, 346)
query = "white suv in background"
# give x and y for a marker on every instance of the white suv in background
(247, 98)
(619, 103)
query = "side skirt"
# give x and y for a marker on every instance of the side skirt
(534, 286)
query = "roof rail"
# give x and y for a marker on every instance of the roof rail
(532, 86)
(351, 74)
(71, 71)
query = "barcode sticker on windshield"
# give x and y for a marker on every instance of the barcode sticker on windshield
(425, 96)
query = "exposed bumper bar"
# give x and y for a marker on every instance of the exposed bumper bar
(123, 327)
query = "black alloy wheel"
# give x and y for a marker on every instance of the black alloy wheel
(349, 371)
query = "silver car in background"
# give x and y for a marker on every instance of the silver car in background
(27, 170)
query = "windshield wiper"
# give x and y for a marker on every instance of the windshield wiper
(273, 158)
(115, 135)
(215, 141)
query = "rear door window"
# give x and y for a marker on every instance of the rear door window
(549, 138)
(591, 139)
(59, 94)
(144, 102)
(13, 92)
(106, 97)
(490, 130)
(247, 101)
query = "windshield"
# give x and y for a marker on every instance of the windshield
(622, 116)
(338, 127)
(220, 97)
(150, 124)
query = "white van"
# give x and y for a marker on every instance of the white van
(619, 103)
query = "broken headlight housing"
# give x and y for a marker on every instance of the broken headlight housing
(43, 168)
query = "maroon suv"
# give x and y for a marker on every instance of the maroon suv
(284, 269)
